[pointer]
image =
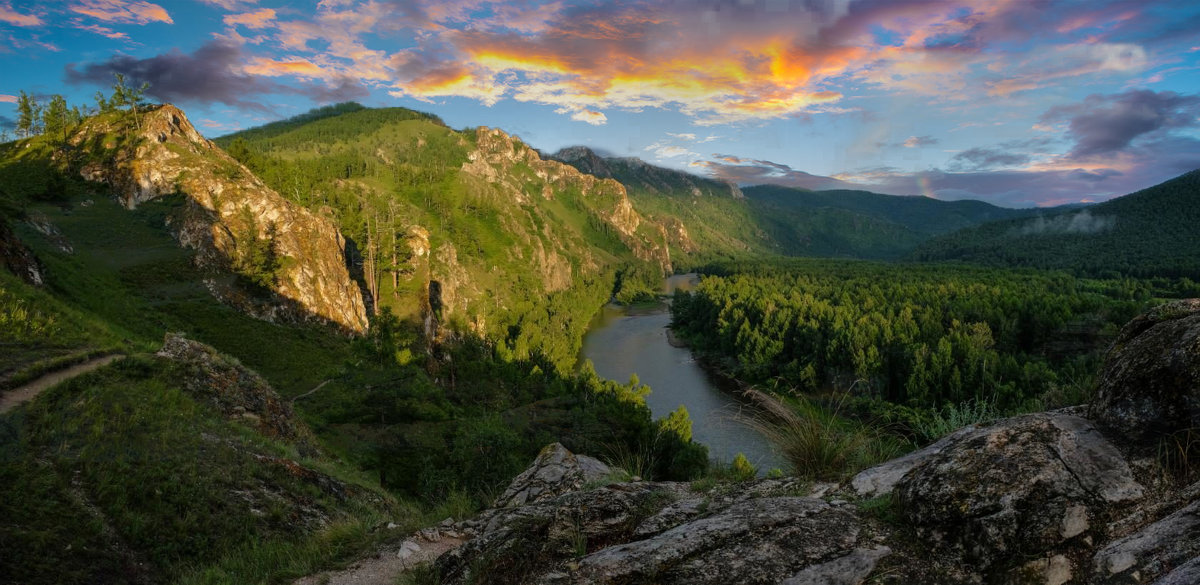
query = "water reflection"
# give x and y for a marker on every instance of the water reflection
(622, 342)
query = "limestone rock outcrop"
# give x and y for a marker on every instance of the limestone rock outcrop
(228, 208)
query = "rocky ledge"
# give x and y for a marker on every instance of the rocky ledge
(1048, 498)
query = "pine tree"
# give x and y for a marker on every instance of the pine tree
(26, 107)
(56, 118)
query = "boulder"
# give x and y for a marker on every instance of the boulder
(763, 540)
(1173, 541)
(556, 471)
(881, 479)
(1019, 488)
(1150, 385)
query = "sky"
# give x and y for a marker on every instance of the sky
(1014, 102)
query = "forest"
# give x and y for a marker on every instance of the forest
(910, 338)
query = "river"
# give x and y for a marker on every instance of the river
(621, 342)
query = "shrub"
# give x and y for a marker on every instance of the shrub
(817, 443)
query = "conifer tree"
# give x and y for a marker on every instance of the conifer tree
(56, 118)
(26, 114)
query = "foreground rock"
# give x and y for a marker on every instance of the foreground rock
(555, 472)
(1026, 487)
(1045, 499)
(1150, 386)
(665, 533)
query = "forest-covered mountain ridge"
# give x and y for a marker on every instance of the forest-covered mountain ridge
(1151, 232)
(724, 219)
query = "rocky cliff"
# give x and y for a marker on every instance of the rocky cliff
(1048, 498)
(229, 212)
(496, 159)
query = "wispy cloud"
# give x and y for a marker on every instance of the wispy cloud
(591, 117)
(10, 16)
(254, 20)
(122, 11)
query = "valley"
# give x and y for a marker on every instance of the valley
(345, 327)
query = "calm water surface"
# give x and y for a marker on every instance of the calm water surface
(621, 343)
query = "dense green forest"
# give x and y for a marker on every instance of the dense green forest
(1144, 234)
(919, 336)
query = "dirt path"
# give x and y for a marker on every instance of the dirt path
(388, 565)
(26, 392)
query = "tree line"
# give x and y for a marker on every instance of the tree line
(913, 335)
(56, 118)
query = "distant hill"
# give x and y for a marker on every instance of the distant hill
(706, 220)
(1152, 232)
(723, 221)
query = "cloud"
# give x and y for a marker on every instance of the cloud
(593, 118)
(980, 158)
(7, 123)
(10, 16)
(747, 171)
(662, 150)
(683, 136)
(5, 98)
(1104, 124)
(231, 4)
(1074, 223)
(918, 141)
(102, 30)
(213, 73)
(122, 11)
(258, 19)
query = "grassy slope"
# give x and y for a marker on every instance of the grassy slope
(382, 171)
(99, 466)
(1148, 233)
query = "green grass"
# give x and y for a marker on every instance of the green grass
(817, 442)
(108, 449)
(955, 416)
(128, 270)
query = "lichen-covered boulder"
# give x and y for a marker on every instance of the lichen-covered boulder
(1020, 488)
(757, 541)
(556, 471)
(1170, 543)
(1150, 385)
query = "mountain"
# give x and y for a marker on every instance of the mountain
(276, 411)
(235, 223)
(705, 220)
(712, 220)
(464, 227)
(1148, 233)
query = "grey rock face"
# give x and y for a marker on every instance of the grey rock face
(556, 471)
(1187, 574)
(1150, 385)
(851, 569)
(1022, 486)
(1170, 542)
(757, 541)
(882, 479)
